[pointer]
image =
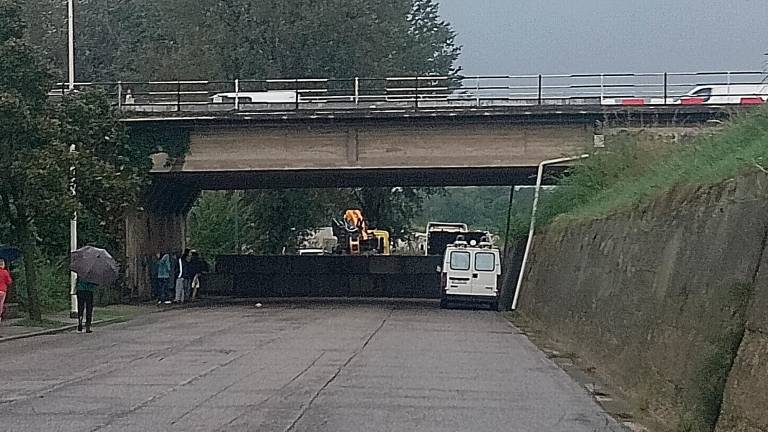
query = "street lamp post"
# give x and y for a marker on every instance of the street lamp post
(72, 150)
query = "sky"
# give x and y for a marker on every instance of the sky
(509, 37)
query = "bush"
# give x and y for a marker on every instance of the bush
(53, 288)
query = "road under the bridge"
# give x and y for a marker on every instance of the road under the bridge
(342, 367)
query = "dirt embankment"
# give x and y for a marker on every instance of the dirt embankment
(669, 301)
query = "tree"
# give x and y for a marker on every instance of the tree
(24, 183)
(35, 140)
(228, 39)
(393, 209)
(222, 223)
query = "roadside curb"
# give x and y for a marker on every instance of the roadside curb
(95, 323)
(58, 330)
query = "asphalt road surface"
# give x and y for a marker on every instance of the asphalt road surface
(339, 367)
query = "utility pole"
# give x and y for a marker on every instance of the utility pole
(72, 151)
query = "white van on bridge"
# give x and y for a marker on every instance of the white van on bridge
(710, 94)
(263, 97)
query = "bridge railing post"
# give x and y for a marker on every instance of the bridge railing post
(357, 90)
(477, 91)
(237, 94)
(178, 96)
(541, 79)
(120, 95)
(416, 94)
(666, 88)
(296, 82)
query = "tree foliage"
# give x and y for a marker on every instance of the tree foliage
(226, 39)
(36, 139)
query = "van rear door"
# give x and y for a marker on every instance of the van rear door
(459, 272)
(485, 271)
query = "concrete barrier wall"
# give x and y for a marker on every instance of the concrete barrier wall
(326, 276)
(658, 301)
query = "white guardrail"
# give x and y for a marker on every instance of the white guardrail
(436, 92)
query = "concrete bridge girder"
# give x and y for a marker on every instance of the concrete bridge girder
(243, 153)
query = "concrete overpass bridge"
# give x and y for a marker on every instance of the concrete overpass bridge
(415, 141)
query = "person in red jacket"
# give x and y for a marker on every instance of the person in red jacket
(5, 282)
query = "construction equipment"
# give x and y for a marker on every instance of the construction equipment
(356, 238)
(442, 234)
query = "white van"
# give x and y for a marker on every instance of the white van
(713, 94)
(264, 97)
(471, 273)
(726, 94)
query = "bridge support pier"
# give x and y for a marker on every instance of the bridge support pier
(159, 226)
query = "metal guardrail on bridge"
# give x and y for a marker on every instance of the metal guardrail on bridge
(434, 93)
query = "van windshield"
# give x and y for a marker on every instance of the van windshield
(703, 93)
(460, 261)
(485, 261)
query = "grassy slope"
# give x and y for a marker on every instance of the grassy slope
(632, 174)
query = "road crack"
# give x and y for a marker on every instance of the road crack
(349, 360)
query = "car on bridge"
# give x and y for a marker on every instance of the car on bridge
(714, 94)
(263, 97)
(726, 94)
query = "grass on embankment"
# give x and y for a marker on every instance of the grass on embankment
(633, 172)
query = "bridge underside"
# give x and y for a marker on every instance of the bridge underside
(416, 177)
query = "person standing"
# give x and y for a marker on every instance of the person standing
(164, 271)
(182, 277)
(85, 291)
(155, 282)
(199, 266)
(5, 282)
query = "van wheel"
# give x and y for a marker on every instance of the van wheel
(443, 303)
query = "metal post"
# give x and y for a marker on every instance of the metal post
(602, 87)
(666, 88)
(533, 219)
(541, 78)
(238, 197)
(120, 95)
(477, 91)
(73, 237)
(72, 149)
(357, 91)
(71, 37)
(416, 95)
(178, 96)
(297, 94)
(506, 235)
(237, 95)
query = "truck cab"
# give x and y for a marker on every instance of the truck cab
(471, 272)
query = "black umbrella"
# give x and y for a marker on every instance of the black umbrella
(94, 265)
(10, 253)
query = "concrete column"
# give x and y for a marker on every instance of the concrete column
(158, 227)
(147, 233)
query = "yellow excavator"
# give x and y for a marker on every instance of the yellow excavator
(356, 238)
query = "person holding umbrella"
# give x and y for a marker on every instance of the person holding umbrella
(94, 267)
(85, 291)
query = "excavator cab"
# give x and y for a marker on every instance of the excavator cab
(355, 238)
